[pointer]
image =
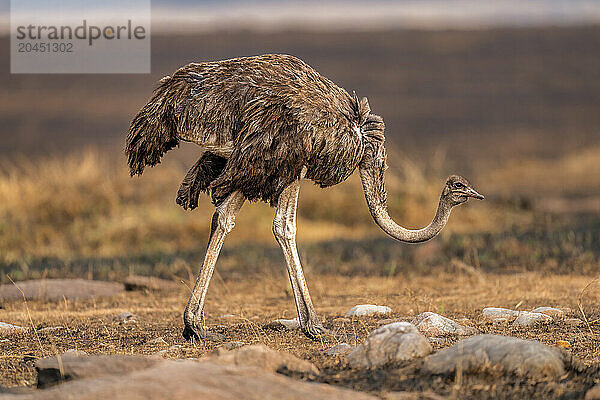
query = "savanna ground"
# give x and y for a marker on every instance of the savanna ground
(513, 110)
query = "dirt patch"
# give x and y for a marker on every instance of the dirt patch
(240, 309)
(57, 289)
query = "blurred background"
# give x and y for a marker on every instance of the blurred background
(506, 93)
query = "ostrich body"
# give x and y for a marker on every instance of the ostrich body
(266, 122)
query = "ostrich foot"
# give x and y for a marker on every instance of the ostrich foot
(199, 333)
(314, 330)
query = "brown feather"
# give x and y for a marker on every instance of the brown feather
(272, 114)
(198, 179)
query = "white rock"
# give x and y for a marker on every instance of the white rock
(498, 312)
(399, 341)
(4, 325)
(158, 340)
(573, 321)
(522, 357)
(284, 324)
(163, 352)
(551, 311)
(526, 319)
(259, 356)
(76, 352)
(432, 324)
(125, 317)
(232, 345)
(367, 309)
(339, 350)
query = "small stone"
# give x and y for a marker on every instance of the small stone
(339, 350)
(163, 352)
(5, 326)
(125, 317)
(522, 357)
(498, 312)
(75, 352)
(51, 328)
(232, 345)
(158, 340)
(573, 321)
(527, 319)
(283, 324)
(552, 312)
(563, 344)
(399, 341)
(432, 324)
(362, 310)
(228, 316)
(259, 356)
(214, 336)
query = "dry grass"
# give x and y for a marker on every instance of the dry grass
(86, 205)
(567, 175)
(60, 211)
(89, 326)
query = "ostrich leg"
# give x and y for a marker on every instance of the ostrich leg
(284, 229)
(223, 222)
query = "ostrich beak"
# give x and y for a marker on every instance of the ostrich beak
(473, 193)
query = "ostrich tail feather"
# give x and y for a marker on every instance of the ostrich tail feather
(153, 131)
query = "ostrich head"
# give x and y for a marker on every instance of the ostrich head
(457, 190)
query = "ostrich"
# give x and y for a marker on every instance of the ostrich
(266, 122)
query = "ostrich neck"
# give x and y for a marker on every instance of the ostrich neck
(376, 196)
